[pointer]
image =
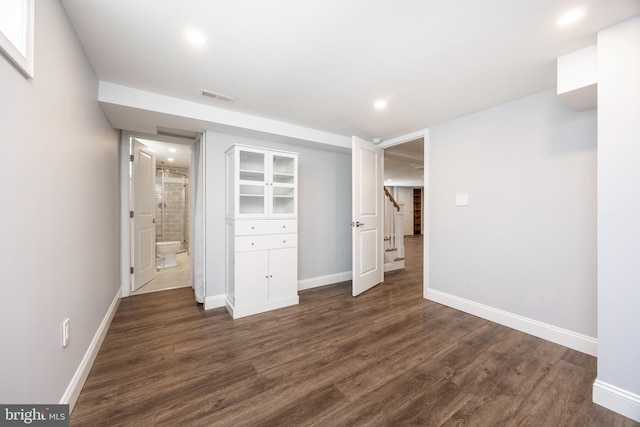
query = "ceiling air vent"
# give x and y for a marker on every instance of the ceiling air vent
(218, 96)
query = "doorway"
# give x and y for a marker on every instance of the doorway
(166, 189)
(405, 173)
(404, 177)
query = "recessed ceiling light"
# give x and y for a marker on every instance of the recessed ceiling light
(172, 150)
(380, 104)
(570, 17)
(170, 159)
(195, 37)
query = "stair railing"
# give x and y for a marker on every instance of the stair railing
(393, 224)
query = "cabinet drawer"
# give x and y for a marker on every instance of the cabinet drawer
(269, 226)
(279, 241)
(252, 243)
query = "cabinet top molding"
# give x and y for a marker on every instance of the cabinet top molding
(253, 147)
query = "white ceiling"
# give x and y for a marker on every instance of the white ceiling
(169, 153)
(321, 64)
(404, 164)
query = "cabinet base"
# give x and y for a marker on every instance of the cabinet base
(238, 312)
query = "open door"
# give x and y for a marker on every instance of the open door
(367, 208)
(144, 227)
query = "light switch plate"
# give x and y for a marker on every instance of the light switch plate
(462, 199)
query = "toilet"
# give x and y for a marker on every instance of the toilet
(166, 254)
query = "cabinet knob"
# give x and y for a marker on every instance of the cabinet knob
(284, 241)
(251, 243)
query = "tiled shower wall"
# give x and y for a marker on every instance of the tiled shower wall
(175, 199)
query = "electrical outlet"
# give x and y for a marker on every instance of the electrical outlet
(65, 332)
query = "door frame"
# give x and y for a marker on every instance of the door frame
(126, 228)
(426, 197)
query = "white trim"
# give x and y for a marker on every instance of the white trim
(126, 229)
(422, 133)
(426, 226)
(23, 60)
(329, 279)
(72, 392)
(574, 340)
(617, 399)
(218, 301)
(237, 313)
(125, 221)
(215, 301)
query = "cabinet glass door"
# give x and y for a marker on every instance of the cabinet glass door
(283, 188)
(252, 183)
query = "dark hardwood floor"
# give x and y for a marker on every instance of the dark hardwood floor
(385, 358)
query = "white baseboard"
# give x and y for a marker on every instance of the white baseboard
(574, 340)
(238, 312)
(218, 301)
(70, 396)
(215, 301)
(330, 279)
(617, 399)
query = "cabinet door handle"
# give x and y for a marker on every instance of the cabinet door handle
(284, 241)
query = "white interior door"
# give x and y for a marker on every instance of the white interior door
(144, 227)
(367, 206)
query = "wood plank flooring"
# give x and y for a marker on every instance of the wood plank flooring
(385, 358)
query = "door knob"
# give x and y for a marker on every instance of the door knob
(357, 224)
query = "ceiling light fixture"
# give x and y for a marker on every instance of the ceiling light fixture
(170, 159)
(380, 104)
(196, 38)
(570, 17)
(172, 150)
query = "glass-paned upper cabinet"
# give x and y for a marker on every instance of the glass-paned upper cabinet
(261, 183)
(283, 185)
(252, 176)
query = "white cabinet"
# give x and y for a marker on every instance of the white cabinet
(263, 183)
(261, 230)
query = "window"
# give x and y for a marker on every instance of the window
(16, 33)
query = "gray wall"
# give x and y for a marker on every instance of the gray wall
(59, 186)
(618, 210)
(526, 244)
(324, 209)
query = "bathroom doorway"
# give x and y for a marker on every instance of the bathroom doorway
(171, 212)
